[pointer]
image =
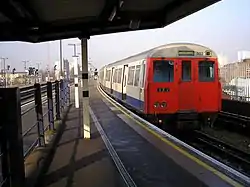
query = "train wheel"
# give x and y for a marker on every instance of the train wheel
(206, 122)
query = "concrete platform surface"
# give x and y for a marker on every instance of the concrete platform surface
(80, 162)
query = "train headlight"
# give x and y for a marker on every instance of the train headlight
(163, 104)
(156, 104)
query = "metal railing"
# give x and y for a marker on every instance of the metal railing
(42, 102)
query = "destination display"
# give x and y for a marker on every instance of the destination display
(194, 53)
(185, 53)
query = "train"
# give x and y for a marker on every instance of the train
(175, 86)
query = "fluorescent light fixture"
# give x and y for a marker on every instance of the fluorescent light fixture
(111, 17)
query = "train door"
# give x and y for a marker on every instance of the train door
(141, 85)
(162, 86)
(124, 81)
(208, 85)
(186, 86)
(112, 80)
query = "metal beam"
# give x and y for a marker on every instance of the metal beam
(54, 33)
(25, 24)
(15, 12)
(10, 11)
(28, 10)
(111, 7)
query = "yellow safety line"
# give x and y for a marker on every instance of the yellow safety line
(193, 158)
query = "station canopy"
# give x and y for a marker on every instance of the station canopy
(46, 20)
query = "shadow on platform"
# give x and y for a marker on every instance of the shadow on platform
(77, 161)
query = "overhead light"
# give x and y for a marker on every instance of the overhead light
(112, 15)
(134, 24)
(121, 3)
(34, 28)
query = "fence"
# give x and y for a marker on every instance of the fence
(43, 103)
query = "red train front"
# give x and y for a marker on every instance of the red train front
(170, 83)
(182, 86)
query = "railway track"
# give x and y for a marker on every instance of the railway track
(220, 150)
(227, 153)
(232, 118)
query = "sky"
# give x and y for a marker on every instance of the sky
(224, 27)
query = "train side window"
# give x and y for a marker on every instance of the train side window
(186, 71)
(125, 80)
(121, 73)
(115, 76)
(131, 72)
(163, 71)
(206, 71)
(137, 75)
(143, 75)
(119, 76)
(107, 75)
(101, 75)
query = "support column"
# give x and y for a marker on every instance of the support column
(85, 89)
(67, 73)
(76, 82)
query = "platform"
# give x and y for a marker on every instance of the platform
(80, 162)
(148, 159)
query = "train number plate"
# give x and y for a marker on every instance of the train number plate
(163, 90)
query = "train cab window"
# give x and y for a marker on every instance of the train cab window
(206, 71)
(131, 72)
(163, 71)
(137, 75)
(186, 71)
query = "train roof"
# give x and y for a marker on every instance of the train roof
(168, 51)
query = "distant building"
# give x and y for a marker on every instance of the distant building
(16, 78)
(64, 65)
(243, 55)
(235, 70)
(10, 75)
(222, 59)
